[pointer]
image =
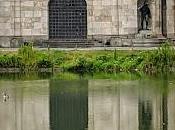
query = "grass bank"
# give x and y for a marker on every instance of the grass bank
(154, 61)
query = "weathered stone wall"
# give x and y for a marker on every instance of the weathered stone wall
(127, 16)
(33, 18)
(6, 21)
(28, 19)
(23, 18)
(102, 17)
(6, 18)
(114, 17)
(171, 18)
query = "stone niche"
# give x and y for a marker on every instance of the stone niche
(143, 33)
(140, 3)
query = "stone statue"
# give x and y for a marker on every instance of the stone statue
(145, 15)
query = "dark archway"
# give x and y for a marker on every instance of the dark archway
(67, 19)
(164, 17)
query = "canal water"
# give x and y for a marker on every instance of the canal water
(72, 102)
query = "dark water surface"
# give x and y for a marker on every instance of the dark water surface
(80, 103)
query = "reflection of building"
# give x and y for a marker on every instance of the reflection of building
(87, 105)
(68, 105)
(171, 108)
(27, 107)
(112, 107)
(130, 105)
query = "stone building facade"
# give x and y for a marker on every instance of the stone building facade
(35, 19)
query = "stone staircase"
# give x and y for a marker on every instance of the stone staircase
(145, 39)
(147, 42)
(120, 42)
(131, 42)
(68, 43)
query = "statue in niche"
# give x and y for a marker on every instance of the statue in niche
(145, 16)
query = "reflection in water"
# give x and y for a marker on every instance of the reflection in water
(145, 115)
(27, 107)
(5, 96)
(87, 105)
(68, 105)
(165, 103)
(165, 112)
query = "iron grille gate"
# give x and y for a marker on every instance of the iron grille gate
(67, 19)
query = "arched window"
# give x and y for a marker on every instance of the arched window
(67, 19)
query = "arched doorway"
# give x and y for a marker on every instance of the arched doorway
(67, 19)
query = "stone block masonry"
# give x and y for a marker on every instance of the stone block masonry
(22, 20)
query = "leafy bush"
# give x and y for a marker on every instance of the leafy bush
(8, 61)
(83, 64)
(104, 58)
(44, 63)
(27, 56)
(160, 60)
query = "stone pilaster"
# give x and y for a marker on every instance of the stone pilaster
(156, 18)
(170, 18)
(90, 17)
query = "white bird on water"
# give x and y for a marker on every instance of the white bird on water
(5, 96)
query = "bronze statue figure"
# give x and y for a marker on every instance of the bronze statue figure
(145, 15)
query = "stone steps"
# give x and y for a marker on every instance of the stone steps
(146, 45)
(69, 44)
(152, 42)
(147, 42)
(134, 43)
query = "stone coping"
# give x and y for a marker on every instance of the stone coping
(82, 49)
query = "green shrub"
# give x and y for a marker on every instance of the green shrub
(148, 61)
(84, 64)
(104, 58)
(159, 60)
(44, 63)
(27, 56)
(8, 61)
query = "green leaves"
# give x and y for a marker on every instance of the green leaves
(162, 59)
(9, 61)
(159, 60)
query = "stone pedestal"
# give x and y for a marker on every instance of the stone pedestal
(144, 34)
